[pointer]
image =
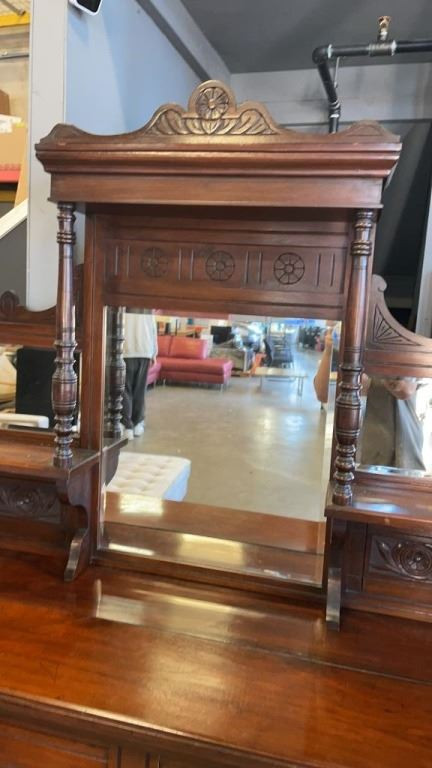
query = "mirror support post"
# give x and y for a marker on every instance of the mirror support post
(348, 402)
(64, 382)
(117, 371)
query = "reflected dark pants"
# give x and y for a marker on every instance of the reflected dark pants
(134, 394)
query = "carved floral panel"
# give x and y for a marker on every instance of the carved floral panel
(25, 500)
(270, 267)
(405, 556)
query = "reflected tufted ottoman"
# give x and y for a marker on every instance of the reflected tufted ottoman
(147, 474)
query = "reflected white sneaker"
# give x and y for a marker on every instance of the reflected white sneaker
(139, 429)
(129, 433)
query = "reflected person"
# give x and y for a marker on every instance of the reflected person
(140, 352)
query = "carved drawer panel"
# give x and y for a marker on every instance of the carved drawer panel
(399, 565)
(32, 501)
(278, 267)
(26, 749)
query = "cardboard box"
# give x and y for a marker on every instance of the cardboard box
(22, 189)
(4, 103)
(12, 145)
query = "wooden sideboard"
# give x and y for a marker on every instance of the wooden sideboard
(127, 670)
(124, 671)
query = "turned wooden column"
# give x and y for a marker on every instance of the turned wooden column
(116, 371)
(64, 383)
(348, 402)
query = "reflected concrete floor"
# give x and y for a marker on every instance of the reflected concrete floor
(251, 449)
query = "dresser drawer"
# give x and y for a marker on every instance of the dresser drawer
(20, 748)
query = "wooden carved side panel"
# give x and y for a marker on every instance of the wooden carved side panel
(19, 325)
(390, 348)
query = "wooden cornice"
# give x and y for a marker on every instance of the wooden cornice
(216, 139)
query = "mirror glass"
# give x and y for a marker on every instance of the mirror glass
(396, 434)
(227, 434)
(25, 387)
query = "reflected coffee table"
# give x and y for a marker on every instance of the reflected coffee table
(281, 374)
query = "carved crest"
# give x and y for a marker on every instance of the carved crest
(212, 109)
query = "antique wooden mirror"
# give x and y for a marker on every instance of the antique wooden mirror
(214, 213)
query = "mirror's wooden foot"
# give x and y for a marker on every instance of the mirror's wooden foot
(79, 554)
(335, 574)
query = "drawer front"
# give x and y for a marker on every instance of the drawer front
(20, 748)
(399, 566)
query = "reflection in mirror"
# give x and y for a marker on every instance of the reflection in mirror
(221, 414)
(25, 388)
(396, 435)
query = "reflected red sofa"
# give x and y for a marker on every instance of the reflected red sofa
(186, 360)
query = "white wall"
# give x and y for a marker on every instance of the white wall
(385, 92)
(105, 73)
(120, 68)
(47, 81)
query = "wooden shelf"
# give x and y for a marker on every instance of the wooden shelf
(396, 509)
(33, 460)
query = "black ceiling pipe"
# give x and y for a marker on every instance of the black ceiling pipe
(323, 55)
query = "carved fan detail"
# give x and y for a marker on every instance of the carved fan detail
(383, 333)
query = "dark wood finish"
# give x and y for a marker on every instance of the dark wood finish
(201, 520)
(215, 208)
(224, 261)
(348, 403)
(123, 671)
(64, 385)
(369, 567)
(126, 671)
(381, 553)
(392, 350)
(213, 560)
(44, 508)
(239, 157)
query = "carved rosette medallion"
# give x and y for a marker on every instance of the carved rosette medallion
(220, 266)
(212, 103)
(408, 558)
(154, 262)
(289, 268)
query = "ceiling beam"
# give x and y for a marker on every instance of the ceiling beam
(180, 29)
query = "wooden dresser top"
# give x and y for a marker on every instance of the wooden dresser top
(196, 670)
